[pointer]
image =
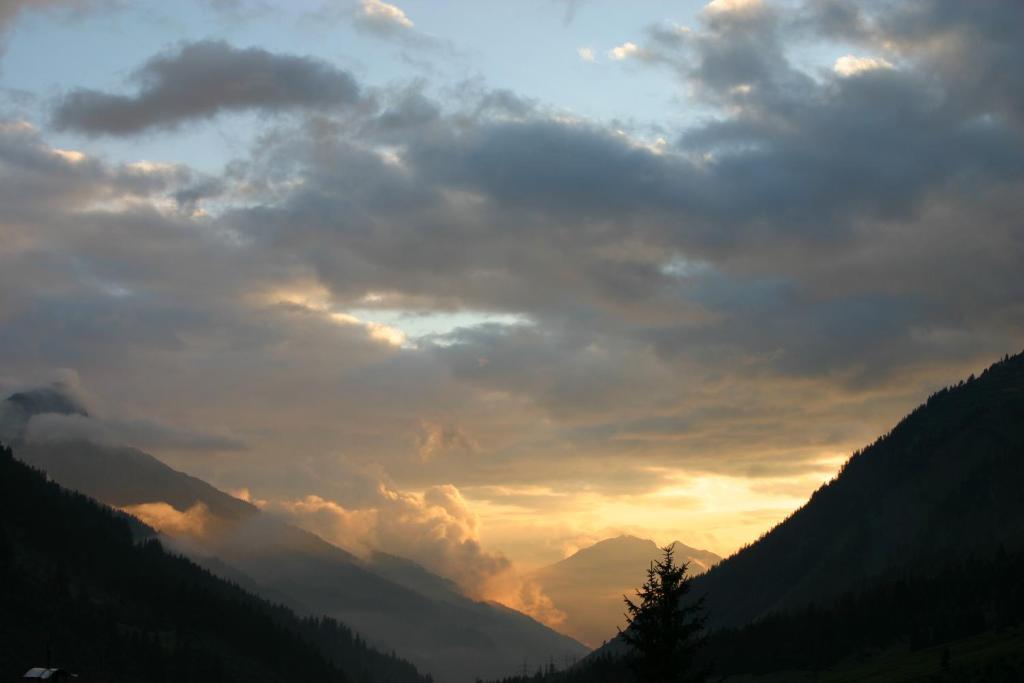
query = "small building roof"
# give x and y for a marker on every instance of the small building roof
(48, 674)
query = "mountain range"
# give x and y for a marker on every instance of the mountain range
(393, 602)
(908, 560)
(91, 590)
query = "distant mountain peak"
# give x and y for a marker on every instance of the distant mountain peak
(618, 542)
(628, 545)
(20, 407)
(51, 399)
(589, 584)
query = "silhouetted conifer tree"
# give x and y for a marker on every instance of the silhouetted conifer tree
(664, 630)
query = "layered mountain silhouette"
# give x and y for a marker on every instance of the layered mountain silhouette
(393, 602)
(91, 590)
(588, 586)
(910, 557)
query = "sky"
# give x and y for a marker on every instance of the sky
(481, 283)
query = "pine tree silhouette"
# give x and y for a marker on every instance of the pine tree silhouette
(664, 631)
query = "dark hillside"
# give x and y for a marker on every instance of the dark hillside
(903, 615)
(944, 484)
(77, 591)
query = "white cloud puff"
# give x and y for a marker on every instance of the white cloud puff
(732, 6)
(625, 51)
(850, 65)
(436, 528)
(383, 17)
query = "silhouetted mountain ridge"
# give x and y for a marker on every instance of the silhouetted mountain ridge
(393, 602)
(622, 549)
(947, 480)
(79, 591)
(122, 475)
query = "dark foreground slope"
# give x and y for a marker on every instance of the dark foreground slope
(958, 621)
(945, 484)
(77, 591)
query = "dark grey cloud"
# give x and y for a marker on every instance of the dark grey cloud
(832, 19)
(189, 196)
(203, 79)
(779, 280)
(584, 193)
(973, 50)
(567, 371)
(410, 110)
(967, 50)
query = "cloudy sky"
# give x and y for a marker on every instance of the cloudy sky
(482, 282)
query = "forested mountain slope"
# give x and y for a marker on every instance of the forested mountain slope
(945, 483)
(77, 590)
